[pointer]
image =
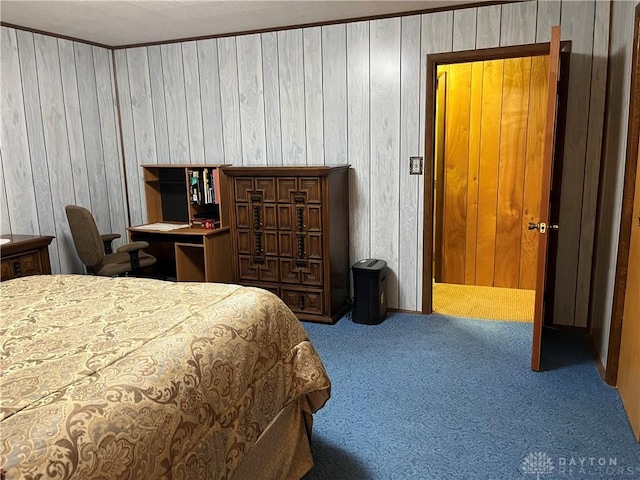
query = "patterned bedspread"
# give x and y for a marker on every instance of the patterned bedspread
(105, 378)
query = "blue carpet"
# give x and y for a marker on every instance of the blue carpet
(433, 397)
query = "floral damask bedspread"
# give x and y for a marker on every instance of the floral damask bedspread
(109, 378)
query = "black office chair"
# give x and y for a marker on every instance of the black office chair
(92, 247)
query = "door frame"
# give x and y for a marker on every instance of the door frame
(626, 216)
(433, 61)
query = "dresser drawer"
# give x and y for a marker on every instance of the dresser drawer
(30, 264)
(256, 215)
(303, 301)
(290, 244)
(301, 218)
(259, 190)
(264, 269)
(309, 274)
(299, 190)
(7, 271)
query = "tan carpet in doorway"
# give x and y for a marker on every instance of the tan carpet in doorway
(488, 303)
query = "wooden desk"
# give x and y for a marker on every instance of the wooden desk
(189, 254)
(25, 255)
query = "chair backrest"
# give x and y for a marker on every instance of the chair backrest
(86, 236)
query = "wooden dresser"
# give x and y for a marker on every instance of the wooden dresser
(25, 255)
(290, 228)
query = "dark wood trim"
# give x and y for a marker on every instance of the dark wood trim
(626, 217)
(433, 60)
(49, 34)
(119, 118)
(320, 24)
(429, 150)
(496, 53)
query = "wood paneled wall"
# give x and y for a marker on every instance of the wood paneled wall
(347, 93)
(494, 136)
(59, 140)
(614, 155)
(355, 93)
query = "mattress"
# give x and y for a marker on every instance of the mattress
(105, 378)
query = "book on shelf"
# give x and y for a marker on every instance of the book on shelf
(208, 223)
(203, 186)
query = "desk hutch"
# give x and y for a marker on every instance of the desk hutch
(178, 194)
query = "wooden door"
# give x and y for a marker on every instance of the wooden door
(491, 171)
(547, 168)
(629, 363)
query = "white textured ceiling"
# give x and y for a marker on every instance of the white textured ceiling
(124, 22)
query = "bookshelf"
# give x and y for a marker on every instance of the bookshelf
(193, 195)
(185, 193)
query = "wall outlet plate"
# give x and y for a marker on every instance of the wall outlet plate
(415, 165)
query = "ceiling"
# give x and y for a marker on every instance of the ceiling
(126, 22)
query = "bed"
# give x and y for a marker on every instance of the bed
(125, 378)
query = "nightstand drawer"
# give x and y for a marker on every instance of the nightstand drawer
(30, 264)
(7, 271)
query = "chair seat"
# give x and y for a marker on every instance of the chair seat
(117, 263)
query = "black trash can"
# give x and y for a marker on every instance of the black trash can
(369, 291)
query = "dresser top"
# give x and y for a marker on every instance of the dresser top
(20, 243)
(288, 171)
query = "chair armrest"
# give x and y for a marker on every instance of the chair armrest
(110, 237)
(133, 250)
(132, 247)
(107, 239)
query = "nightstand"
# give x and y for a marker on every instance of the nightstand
(25, 255)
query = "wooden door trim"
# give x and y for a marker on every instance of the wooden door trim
(626, 216)
(433, 60)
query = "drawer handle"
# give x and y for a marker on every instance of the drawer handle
(301, 252)
(258, 243)
(256, 217)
